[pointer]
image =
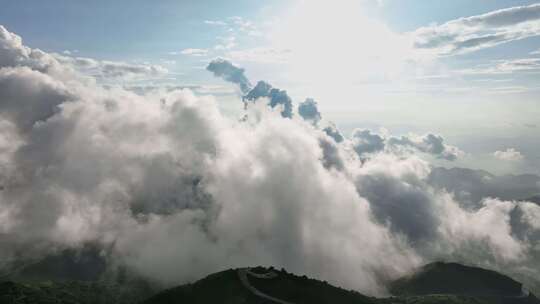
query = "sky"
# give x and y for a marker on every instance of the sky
(183, 138)
(362, 60)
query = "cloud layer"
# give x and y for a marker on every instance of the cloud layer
(471, 186)
(176, 190)
(366, 142)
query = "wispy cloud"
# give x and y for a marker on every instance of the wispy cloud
(194, 52)
(215, 22)
(260, 54)
(233, 28)
(244, 26)
(225, 43)
(107, 70)
(506, 67)
(508, 90)
(474, 33)
(537, 52)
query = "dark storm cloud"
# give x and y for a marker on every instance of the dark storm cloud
(229, 72)
(276, 97)
(332, 131)
(366, 142)
(331, 157)
(309, 111)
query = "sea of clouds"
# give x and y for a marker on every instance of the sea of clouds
(172, 189)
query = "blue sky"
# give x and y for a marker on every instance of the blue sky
(386, 64)
(116, 28)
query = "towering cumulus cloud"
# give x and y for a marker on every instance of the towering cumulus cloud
(173, 190)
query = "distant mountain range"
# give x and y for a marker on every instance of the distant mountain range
(435, 283)
(471, 186)
(534, 199)
(456, 279)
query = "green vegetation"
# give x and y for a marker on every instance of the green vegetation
(222, 287)
(66, 293)
(300, 289)
(437, 283)
(443, 279)
(433, 299)
(452, 278)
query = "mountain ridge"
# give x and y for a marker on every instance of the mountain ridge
(434, 283)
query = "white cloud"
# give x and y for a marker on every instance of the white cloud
(473, 33)
(215, 90)
(112, 70)
(168, 62)
(349, 43)
(194, 52)
(260, 55)
(525, 64)
(96, 161)
(215, 22)
(510, 89)
(509, 154)
(489, 224)
(167, 170)
(13, 53)
(531, 215)
(242, 25)
(506, 66)
(236, 24)
(40, 93)
(225, 43)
